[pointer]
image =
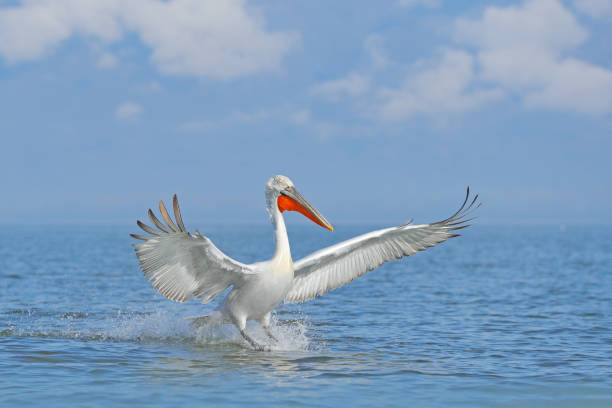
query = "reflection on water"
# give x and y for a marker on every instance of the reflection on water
(501, 316)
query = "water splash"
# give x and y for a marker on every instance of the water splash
(159, 326)
(156, 326)
(290, 335)
(164, 326)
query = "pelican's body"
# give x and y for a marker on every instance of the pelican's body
(181, 265)
(262, 291)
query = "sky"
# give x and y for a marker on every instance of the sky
(378, 111)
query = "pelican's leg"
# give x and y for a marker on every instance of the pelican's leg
(270, 335)
(265, 323)
(252, 342)
(241, 324)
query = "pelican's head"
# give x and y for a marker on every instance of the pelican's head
(282, 193)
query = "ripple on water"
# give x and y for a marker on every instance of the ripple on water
(467, 323)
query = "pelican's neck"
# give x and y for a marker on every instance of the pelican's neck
(282, 251)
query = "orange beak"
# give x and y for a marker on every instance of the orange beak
(291, 200)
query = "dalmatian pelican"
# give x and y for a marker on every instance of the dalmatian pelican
(180, 264)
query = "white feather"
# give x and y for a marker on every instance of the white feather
(334, 266)
(180, 265)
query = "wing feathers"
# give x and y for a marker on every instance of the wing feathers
(339, 264)
(166, 217)
(141, 237)
(157, 222)
(180, 265)
(177, 214)
(146, 228)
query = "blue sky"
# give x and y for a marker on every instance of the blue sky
(379, 111)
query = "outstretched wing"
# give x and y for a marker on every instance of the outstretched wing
(180, 264)
(338, 264)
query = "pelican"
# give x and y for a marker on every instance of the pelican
(180, 264)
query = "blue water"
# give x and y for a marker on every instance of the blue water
(502, 316)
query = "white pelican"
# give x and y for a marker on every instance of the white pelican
(180, 264)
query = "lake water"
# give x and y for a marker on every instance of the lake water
(501, 316)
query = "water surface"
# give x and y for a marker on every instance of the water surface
(502, 316)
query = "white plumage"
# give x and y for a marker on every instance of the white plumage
(181, 265)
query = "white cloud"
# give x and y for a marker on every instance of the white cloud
(595, 8)
(233, 118)
(441, 87)
(574, 85)
(240, 116)
(198, 125)
(155, 86)
(19, 44)
(300, 117)
(107, 61)
(355, 84)
(524, 49)
(375, 50)
(220, 39)
(351, 85)
(536, 25)
(128, 110)
(412, 3)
